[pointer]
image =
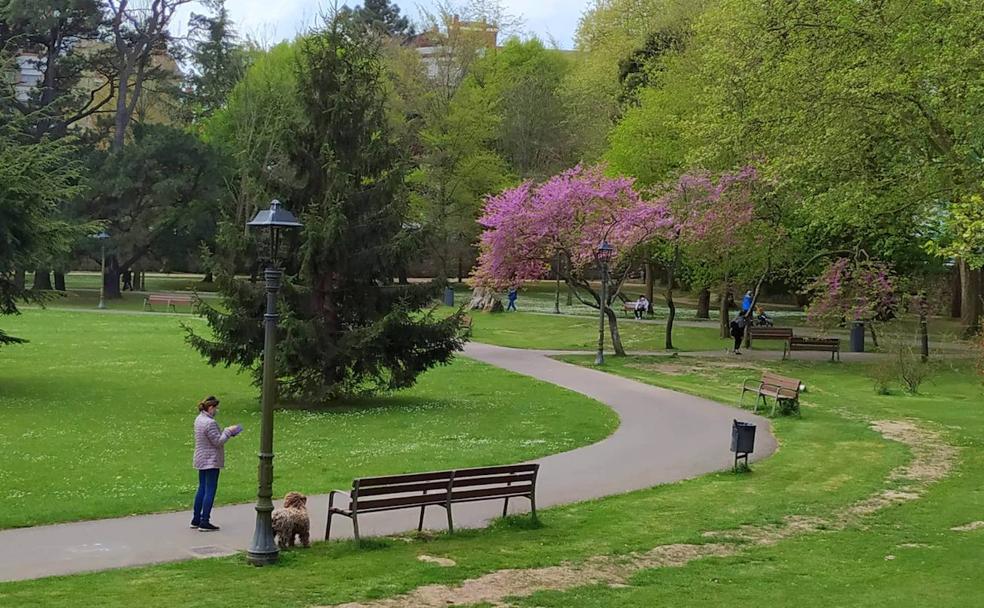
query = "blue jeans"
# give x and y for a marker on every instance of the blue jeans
(512, 305)
(208, 483)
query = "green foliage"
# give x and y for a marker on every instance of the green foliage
(36, 179)
(218, 58)
(347, 328)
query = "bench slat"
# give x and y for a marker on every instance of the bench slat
(397, 479)
(496, 470)
(500, 492)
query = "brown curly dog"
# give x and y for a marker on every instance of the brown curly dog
(292, 520)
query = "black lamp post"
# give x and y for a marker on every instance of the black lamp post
(102, 236)
(604, 255)
(263, 549)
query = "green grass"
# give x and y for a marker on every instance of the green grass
(825, 461)
(97, 412)
(567, 332)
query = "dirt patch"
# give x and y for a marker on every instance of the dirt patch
(932, 460)
(438, 561)
(974, 525)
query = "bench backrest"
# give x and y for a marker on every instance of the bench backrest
(169, 297)
(790, 384)
(437, 487)
(818, 341)
(780, 333)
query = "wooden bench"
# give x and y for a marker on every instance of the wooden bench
(779, 388)
(831, 345)
(770, 333)
(435, 489)
(168, 299)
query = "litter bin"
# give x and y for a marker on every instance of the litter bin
(857, 337)
(448, 296)
(742, 440)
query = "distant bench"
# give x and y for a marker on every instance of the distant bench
(435, 489)
(169, 300)
(794, 343)
(630, 307)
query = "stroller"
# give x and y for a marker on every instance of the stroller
(761, 319)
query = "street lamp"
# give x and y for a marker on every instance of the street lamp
(604, 255)
(263, 549)
(102, 236)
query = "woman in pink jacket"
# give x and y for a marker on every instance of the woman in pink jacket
(209, 460)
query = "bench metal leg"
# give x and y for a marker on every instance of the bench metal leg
(355, 526)
(420, 524)
(450, 521)
(328, 524)
(505, 506)
(533, 505)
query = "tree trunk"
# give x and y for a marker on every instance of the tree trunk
(42, 279)
(486, 300)
(570, 296)
(955, 294)
(650, 282)
(143, 280)
(557, 286)
(20, 279)
(723, 320)
(59, 280)
(923, 334)
(670, 277)
(111, 280)
(874, 336)
(461, 270)
(401, 276)
(970, 298)
(613, 330)
(208, 278)
(704, 304)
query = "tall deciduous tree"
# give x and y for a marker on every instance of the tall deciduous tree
(347, 327)
(570, 214)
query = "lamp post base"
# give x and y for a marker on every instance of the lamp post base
(263, 551)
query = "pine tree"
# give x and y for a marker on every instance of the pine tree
(346, 327)
(384, 17)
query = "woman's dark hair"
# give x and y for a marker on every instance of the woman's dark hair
(207, 402)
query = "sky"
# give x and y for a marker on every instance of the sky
(270, 21)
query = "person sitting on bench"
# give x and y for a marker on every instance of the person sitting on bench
(641, 307)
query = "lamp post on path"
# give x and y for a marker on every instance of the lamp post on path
(102, 236)
(604, 255)
(263, 550)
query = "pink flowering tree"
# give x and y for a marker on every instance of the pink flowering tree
(710, 220)
(853, 290)
(569, 215)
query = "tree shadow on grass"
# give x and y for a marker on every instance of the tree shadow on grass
(363, 404)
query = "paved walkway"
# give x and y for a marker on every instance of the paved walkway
(663, 437)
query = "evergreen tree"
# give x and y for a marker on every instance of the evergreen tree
(384, 17)
(218, 57)
(346, 327)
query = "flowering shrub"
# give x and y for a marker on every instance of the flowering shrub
(852, 290)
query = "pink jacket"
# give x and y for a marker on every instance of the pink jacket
(209, 443)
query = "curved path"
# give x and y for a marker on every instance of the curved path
(663, 437)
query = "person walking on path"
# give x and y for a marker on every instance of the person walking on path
(209, 460)
(513, 294)
(641, 306)
(738, 332)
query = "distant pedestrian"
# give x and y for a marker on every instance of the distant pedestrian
(746, 302)
(127, 280)
(209, 460)
(641, 307)
(738, 332)
(513, 294)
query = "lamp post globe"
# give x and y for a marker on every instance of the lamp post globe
(603, 254)
(263, 550)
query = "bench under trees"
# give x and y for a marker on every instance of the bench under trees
(829, 345)
(434, 489)
(168, 300)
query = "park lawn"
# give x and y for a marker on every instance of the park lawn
(825, 461)
(569, 332)
(97, 414)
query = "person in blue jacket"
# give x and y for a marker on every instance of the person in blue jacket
(746, 302)
(513, 294)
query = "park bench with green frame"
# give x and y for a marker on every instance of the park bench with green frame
(435, 489)
(169, 300)
(831, 345)
(779, 388)
(771, 333)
